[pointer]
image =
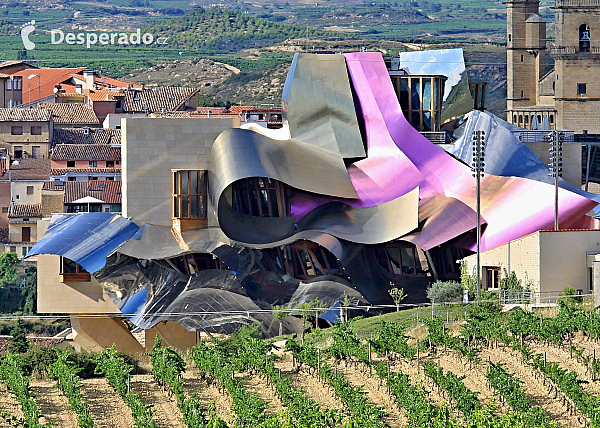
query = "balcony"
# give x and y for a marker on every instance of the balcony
(572, 52)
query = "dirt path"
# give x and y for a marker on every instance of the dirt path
(563, 357)
(106, 407)
(315, 388)
(586, 343)
(166, 413)
(475, 378)
(53, 405)
(358, 374)
(535, 388)
(258, 385)
(208, 393)
(9, 404)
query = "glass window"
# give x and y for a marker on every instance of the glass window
(70, 164)
(581, 89)
(427, 94)
(415, 93)
(262, 197)
(190, 194)
(16, 130)
(30, 190)
(36, 130)
(93, 164)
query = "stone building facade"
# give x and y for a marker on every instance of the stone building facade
(567, 96)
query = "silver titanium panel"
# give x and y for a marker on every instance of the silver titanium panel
(318, 106)
(366, 225)
(240, 153)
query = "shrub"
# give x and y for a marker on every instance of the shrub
(444, 291)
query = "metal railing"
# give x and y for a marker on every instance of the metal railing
(537, 136)
(536, 298)
(571, 50)
(436, 137)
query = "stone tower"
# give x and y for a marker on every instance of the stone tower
(576, 56)
(525, 50)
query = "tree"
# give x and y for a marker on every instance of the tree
(397, 295)
(280, 312)
(468, 282)
(510, 282)
(8, 271)
(18, 343)
(444, 291)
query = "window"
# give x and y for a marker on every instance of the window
(110, 178)
(522, 94)
(514, 118)
(401, 258)
(30, 190)
(17, 83)
(93, 178)
(522, 58)
(261, 197)
(526, 118)
(189, 194)
(16, 130)
(110, 164)
(18, 152)
(520, 118)
(491, 277)
(36, 152)
(9, 84)
(93, 164)
(421, 100)
(510, 37)
(36, 130)
(72, 272)
(70, 164)
(26, 234)
(72, 178)
(305, 260)
(551, 118)
(581, 89)
(584, 38)
(191, 264)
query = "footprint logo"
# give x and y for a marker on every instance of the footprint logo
(26, 30)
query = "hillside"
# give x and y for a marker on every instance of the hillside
(226, 31)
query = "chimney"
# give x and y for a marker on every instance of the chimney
(78, 89)
(88, 76)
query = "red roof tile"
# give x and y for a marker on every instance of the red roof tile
(29, 169)
(42, 87)
(66, 113)
(85, 152)
(25, 211)
(108, 191)
(63, 171)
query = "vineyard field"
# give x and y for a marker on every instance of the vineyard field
(493, 370)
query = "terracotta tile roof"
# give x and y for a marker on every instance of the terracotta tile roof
(157, 99)
(86, 136)
(108, 191)
(49, 78)
(85, 152)
(172, 114)
(29, 169)
(24, 115)
(64, 113)
(51, 185)
(99, 96)
(110, 82)
(25, 210)
(11, 63)
(240, 109)
(211, 110)
(63, 171)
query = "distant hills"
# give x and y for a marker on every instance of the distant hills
(227, 31)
